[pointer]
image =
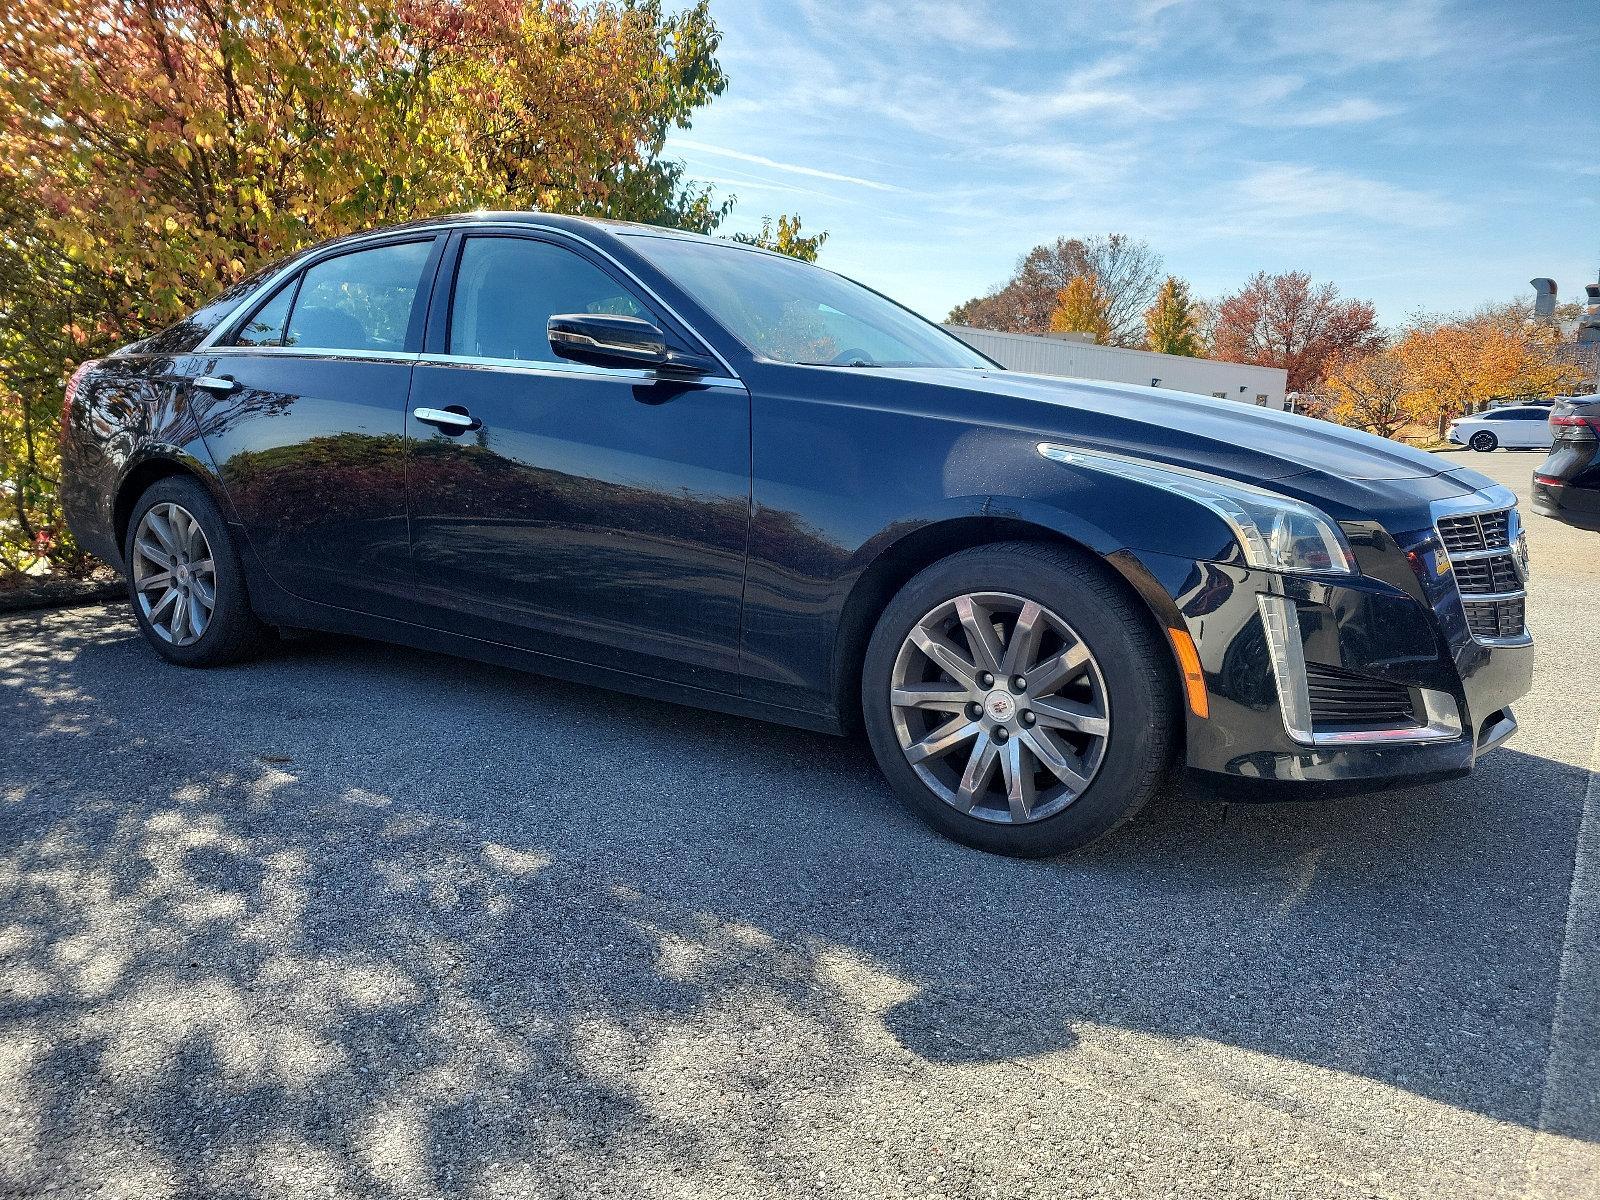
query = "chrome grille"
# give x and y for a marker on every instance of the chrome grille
(1488, 575)
(1495, 619)
(1476, 531)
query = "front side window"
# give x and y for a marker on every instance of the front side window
(507, 289)
(793, 312)
(359, 301)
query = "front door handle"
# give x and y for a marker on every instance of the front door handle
(216, 383)
(448, 419)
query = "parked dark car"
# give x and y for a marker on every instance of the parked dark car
(1567, 484)
(711, 475)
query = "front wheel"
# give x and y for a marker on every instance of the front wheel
(1483, 441)
(1019, 700)
(184, 578)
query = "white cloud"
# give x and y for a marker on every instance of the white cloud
(787, 167)
(955, 22)
(1352, 110)
(1290, 191)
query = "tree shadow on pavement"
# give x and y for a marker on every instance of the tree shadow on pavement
(391, 924)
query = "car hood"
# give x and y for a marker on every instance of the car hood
(1226, 436)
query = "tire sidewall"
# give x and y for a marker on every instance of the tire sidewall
(1142, 740)
(233, 630)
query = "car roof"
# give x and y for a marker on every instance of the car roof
(547, 220)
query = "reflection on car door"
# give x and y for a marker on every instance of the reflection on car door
(598, 515)
(303, 410)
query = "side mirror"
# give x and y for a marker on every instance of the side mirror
(608, 340)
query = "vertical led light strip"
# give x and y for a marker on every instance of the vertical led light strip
(1282, 624)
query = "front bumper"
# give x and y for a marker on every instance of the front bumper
(1366, 633)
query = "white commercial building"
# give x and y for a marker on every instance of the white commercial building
(1078, 358)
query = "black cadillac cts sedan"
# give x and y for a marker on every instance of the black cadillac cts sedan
(712, 475)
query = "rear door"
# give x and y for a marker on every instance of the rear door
(302, 407)
(595, 514)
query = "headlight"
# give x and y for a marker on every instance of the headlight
(1275, 532)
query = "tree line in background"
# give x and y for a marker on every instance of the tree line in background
(152, 154)
(1436, 368)
(1340, 364)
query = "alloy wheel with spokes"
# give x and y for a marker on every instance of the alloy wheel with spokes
(1000, 707)
(174, 574)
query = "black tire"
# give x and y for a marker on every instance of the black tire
(1141, 752)
(1484, 442)
(233, 633)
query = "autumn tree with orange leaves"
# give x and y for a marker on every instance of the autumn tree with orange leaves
(153, 153)
(1457, 365)
(1369, 391)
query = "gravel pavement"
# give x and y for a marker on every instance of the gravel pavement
(359, 921)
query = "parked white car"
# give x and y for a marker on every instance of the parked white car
(1517, 426)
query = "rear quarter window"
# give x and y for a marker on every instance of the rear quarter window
(189, 332)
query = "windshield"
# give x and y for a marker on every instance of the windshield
(787, 310)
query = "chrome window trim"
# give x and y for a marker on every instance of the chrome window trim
(271, 283)
(521, 366)
(529, 366)
(207, 344)
(307, 352)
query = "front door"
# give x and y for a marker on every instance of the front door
(596, 515)
(1532, 426)
(303, 407)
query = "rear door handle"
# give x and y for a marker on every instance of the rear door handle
(447, 419)
(215, 383)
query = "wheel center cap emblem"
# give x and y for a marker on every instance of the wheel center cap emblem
(1000, 706)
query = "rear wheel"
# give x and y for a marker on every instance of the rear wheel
(1018, 700)
(184, 578)
(1483, 441)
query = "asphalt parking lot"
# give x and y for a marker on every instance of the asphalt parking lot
(359, 921)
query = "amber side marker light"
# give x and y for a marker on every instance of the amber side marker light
(1193, 680)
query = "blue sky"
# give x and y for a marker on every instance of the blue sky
(1421, 154)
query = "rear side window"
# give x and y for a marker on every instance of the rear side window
(190, 331)
(507, 289)
(358, 301)
(265, 327)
